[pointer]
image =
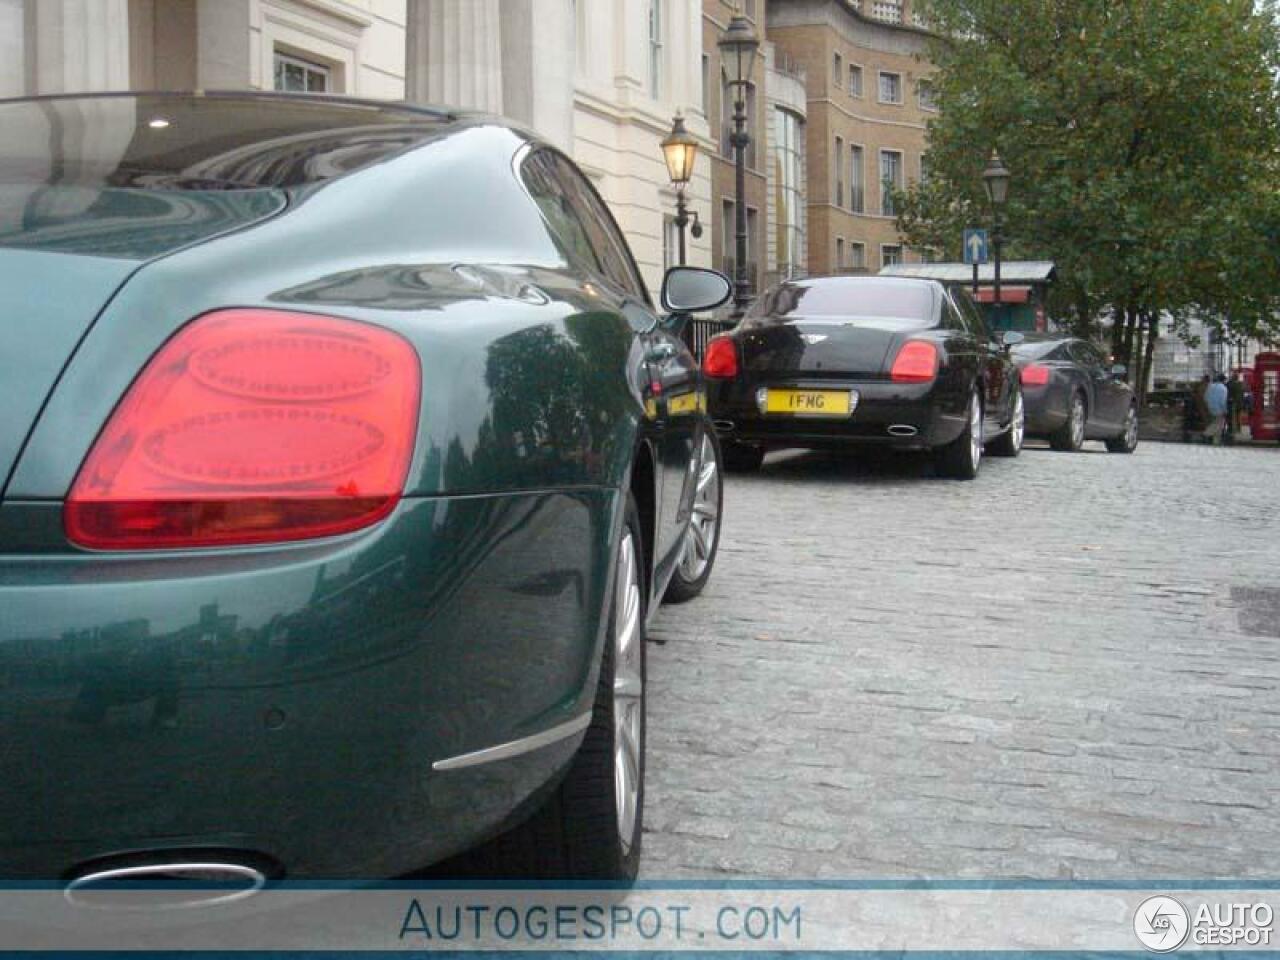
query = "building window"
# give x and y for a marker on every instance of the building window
(726, 116)
(837, 70)
(890, 87)
(839, 171)
(839, 253)
(789, 169)
(890, 179)
(728, 240)
(858, 256)
(857, 179)
(927, 95)
(888, 11)
(890, 254)
(655, 48)
(301, 76)
(855, 80)
(706, 86)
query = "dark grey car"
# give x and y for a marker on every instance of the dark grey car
(1073, 394)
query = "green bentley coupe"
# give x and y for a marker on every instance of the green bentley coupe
(343, 459)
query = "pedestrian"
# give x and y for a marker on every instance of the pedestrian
(1215, 401)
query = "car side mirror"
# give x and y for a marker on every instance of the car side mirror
(692, 289)
(1119, 370)
(1011, 339)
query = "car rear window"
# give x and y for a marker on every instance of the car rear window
(199, 142)
(1038, 349)
(893, 305)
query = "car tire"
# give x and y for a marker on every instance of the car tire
(1070, 436)
(1127, 440)
(582, 832)
(962, 457)
(702, 536)
(742, 458)
(1009, 443)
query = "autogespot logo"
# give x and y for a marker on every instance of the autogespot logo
(1161, 924)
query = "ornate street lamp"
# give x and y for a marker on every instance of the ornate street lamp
(995, 180)
(680, 149)
(738, 47)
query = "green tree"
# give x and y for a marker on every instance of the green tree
(1142, 135)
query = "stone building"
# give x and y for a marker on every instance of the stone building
(602, 79)
(718, 107)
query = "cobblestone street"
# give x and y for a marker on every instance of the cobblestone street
(1069, 668)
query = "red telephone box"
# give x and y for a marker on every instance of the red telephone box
(1264, 422)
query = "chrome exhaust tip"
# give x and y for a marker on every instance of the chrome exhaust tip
(161, 885)
(902, 430)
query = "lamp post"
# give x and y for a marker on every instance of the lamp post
(738, 46)
(995, 180)
(680, 150)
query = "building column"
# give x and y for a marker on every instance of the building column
(75, 46)
(454, 54)
(539, 49)
(224, 54)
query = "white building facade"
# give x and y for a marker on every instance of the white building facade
(601, 79)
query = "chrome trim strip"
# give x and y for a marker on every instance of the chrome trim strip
(514, 748)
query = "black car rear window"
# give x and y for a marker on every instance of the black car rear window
(1038, 349)
(892, 305)
(200, 142)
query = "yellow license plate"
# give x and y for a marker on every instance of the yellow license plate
(810, 403)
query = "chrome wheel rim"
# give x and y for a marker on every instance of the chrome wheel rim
(1077, 422)
(975, 431)
(1131, 429)
(1019, 422)
(704, 522)
(628, 690)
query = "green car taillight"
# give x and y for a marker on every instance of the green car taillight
(253, 426)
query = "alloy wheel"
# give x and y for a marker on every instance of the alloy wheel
(1131, 429)
(1077, 421)
(1018, 428)
(975, 432)
(628, 690)
(704, 523)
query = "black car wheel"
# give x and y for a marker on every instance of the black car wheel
(742, 458)
(1127, 440)
(590, 828)
(1009, 443)
(962, 457)
(1070, 436)
(702, 536)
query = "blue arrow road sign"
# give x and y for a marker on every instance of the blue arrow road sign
(975, 246)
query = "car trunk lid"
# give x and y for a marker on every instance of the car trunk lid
(820, 349)
(64, 253)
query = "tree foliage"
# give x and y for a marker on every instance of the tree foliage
(1142, 136)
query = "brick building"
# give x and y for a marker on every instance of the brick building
(869, 100)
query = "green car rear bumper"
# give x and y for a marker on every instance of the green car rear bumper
(306, 705)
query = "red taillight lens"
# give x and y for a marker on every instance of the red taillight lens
(253, 426)
(1035, 375)
(720, 362)
(916, 362)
